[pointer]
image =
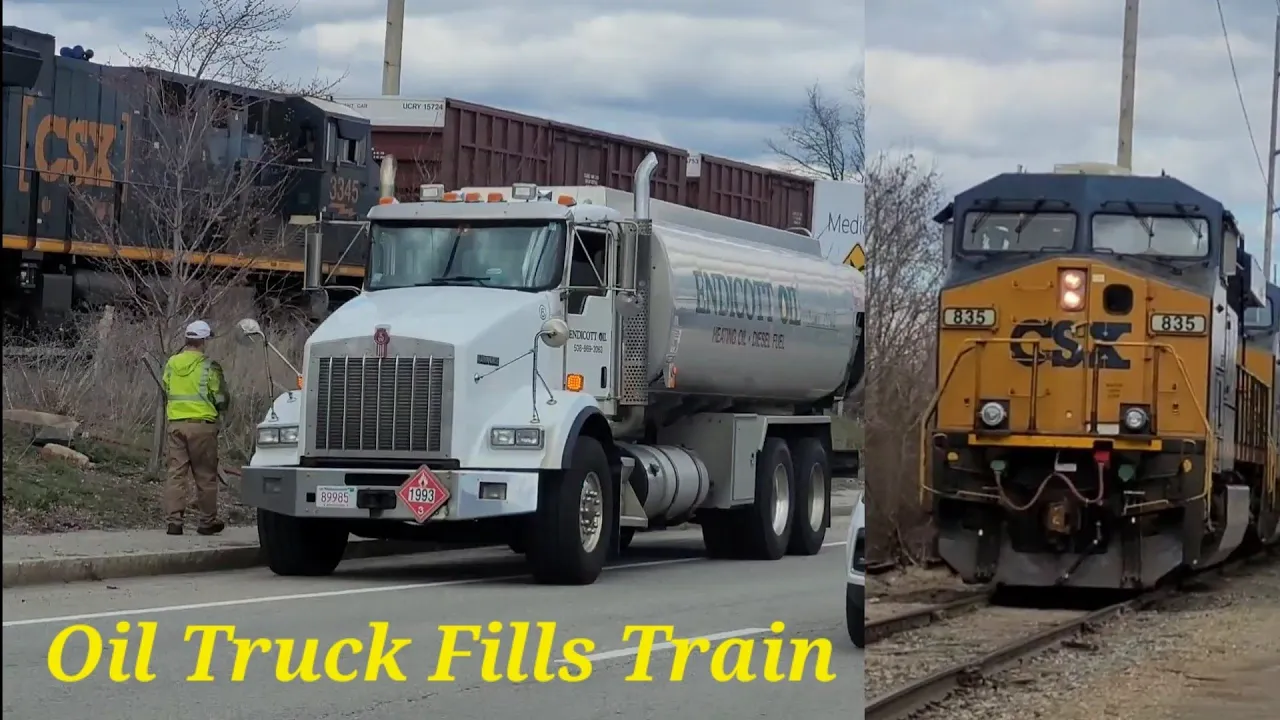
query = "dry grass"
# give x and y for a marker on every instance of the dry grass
(104, 383)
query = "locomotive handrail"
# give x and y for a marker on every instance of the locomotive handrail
(971, 344)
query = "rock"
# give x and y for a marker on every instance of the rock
(53, 451)
(47, 427)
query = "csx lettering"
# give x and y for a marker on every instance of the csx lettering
(1068, 351)
(78, 151)
(746, 298)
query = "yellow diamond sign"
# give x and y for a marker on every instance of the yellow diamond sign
(857, 258)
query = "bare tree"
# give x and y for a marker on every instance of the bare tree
(905, 266)
(828, 140)
(199, 211)
(226, 41)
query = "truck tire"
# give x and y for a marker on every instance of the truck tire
(308, 547)
(813, 477)
(625, 536)
(722, 533)
(563, 549)
(855, 618)
(768, 522)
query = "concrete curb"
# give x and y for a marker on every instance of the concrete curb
(105, 567)
(49, 571)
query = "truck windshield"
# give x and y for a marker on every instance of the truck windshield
(1183, 237)
(996, 232)
(517, 257)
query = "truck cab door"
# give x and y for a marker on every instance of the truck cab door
(590, 314)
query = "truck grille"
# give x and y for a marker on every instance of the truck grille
(380, 404)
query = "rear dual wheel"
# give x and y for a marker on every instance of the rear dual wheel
(790, 512)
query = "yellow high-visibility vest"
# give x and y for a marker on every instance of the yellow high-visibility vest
(193, 387)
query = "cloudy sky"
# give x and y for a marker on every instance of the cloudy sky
(982, 86)
(715, 76)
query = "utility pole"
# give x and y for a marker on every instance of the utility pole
(393, 48)
(1128, 69)
(1269, 229)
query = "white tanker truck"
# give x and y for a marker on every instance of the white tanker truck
(559, 368)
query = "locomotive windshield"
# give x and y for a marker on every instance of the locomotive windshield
(511, 256)
(1148, 235)
(1018, 232)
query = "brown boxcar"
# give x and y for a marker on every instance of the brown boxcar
(485, 146)
(749, 192)
(790, 201)
(481, 145)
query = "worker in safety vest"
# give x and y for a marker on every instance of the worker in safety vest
(195, 397)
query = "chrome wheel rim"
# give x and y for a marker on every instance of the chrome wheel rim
(781, 500)
(590, 512)
(817, 497)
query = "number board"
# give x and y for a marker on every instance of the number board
(1178, 324)
(968, 317)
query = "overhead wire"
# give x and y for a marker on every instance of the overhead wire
(1235, 76)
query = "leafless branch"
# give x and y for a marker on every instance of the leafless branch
(828, 139)
(226, 41)
(905, 266)
(199, 205)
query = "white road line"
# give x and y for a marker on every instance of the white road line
(627, 652)
(317, 595)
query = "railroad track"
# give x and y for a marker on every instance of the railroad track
(886, 627)
(1016, 635)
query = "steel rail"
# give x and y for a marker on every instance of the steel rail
(920, 694)
(923, 617)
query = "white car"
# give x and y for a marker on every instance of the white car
(856, 562)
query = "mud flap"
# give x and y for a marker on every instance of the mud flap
(632, 510)
(1238, 516)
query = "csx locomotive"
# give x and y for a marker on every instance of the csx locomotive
(1106, 410)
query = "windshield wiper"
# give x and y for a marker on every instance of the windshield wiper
(1147, 223)
(1026, 217)
(454, 280)
(1186, 218)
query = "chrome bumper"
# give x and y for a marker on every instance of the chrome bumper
(292, 491)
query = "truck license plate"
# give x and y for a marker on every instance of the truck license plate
(338, 497)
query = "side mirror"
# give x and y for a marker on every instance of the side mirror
(318, 303)
(625, 305)
(554, 333)
(250, 331)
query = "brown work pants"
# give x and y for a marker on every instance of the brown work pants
(193, 456)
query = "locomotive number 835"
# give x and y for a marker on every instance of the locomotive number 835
(1107, 362)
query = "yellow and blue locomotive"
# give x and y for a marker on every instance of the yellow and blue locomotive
(1106, 410)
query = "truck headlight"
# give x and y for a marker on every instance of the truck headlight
(516, 437)
(287, 435)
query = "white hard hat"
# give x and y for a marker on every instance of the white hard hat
(198, 330)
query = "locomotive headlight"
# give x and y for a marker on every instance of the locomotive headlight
(1071, 295)
(1135, 419)
(1072, 300)
(993, 414)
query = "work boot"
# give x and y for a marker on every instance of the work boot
(212, 528)
(174, 529)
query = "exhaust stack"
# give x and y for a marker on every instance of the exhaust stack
(643, 186)
(387, 177)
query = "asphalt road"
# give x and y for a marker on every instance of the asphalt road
(667, 582)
